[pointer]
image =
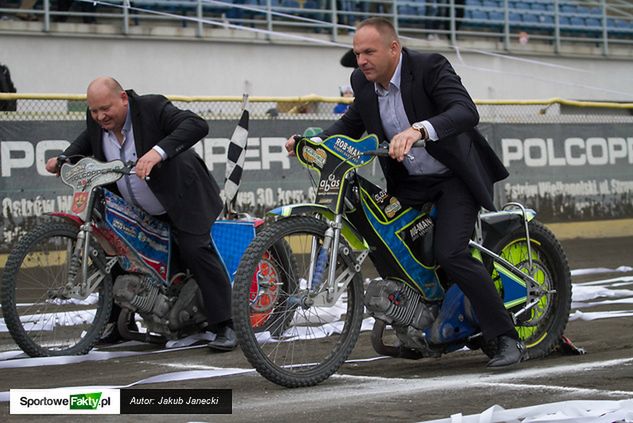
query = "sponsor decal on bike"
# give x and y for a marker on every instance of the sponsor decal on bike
(393, 207)
(332, 183)
(80, 200)
(380, 197)
(346, 149)
(420, 228)
(315, 157)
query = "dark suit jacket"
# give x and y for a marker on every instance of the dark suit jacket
(181, 182)
(431, 90)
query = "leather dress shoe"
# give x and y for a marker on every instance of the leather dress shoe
(224, 341)
(509, 351)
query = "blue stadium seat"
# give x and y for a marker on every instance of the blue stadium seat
(593, 23)
(519, 6)
(531, 18)
(475, 15)
(564, 21)
(492, 3)
(568, 8)
(497, 18)
(547, 20)
(595, 11)
(473, 3)
(515, 17)
(290, 3)
(577, 21)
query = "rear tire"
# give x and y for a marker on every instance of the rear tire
(542, 327)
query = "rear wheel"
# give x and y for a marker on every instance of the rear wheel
(541, 327)
(287, 339)
(44, 315)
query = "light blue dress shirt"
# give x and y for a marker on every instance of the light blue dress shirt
(394, 120)
(133, 189)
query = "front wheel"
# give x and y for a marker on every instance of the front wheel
(42, 315)
(288, 340)
(541, 327)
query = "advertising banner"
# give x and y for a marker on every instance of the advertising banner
(564, 171)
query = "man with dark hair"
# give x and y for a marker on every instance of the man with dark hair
(404, 96)
(150, 130)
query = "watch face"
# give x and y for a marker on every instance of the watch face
(417, 125)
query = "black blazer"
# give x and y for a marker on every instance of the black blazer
(431, 90)
(181, 182)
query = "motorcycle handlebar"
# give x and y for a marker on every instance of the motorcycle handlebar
(383, 150)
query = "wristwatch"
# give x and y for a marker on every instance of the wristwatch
(419, 127)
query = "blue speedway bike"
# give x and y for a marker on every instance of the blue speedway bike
(311, 256)
(62, 277)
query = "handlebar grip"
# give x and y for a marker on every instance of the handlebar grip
(61, 159)
(381, 152)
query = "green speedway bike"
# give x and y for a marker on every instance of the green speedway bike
(299, 298)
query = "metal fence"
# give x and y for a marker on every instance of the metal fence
(65, 107)
(602, 23)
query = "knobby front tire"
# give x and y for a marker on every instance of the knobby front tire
(288, 342)
(40, 318)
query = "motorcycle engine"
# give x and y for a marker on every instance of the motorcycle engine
(398, 305)
(138, 293)
(164, 314)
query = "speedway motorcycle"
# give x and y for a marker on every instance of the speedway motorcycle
(311, 256)
(61, 278)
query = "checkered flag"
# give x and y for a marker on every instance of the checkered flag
(235, 159)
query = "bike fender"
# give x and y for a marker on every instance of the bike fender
(67, 216)
(496, 224)
(351, 235)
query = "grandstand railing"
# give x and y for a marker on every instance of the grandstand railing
(600, 23)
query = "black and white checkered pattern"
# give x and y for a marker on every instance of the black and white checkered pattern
(235, 160)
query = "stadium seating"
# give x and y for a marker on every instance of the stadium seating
(574, 18)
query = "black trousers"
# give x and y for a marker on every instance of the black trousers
(456, 217)
(198, 255)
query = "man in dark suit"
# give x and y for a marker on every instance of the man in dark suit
(405, 96)
(150, 130)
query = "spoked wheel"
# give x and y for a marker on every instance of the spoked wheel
(542, 326)
(45, 315)
(289, 339)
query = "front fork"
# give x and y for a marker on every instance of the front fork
(325, 290)
(80, 258)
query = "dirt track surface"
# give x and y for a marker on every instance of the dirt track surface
(388, 389)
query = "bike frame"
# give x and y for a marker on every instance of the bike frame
(519, 287)
(125, 227)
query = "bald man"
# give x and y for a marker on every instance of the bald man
(150, 130)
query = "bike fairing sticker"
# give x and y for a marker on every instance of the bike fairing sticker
(347, 154)
(146, 236)
(425, 278)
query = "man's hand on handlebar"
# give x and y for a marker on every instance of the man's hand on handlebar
(290, 144)
(145, 164)
(402, 142)
(54, 164)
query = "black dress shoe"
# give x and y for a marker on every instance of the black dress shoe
(509, 352)
(224, 341)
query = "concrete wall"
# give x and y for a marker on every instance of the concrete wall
(65, 64)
